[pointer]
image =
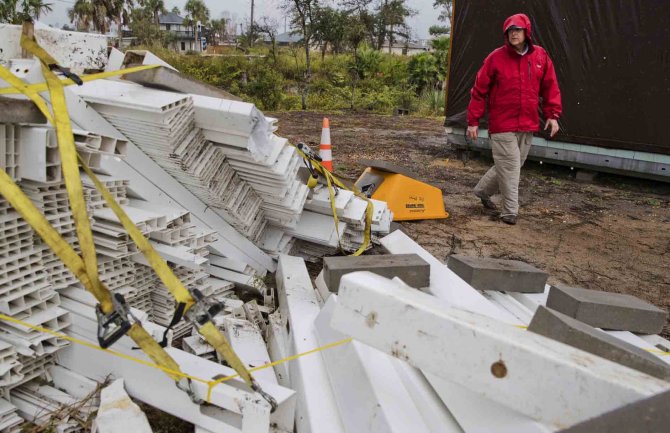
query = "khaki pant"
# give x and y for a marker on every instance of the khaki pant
(510, 150)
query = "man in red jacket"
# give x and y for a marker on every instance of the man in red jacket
(513, 78)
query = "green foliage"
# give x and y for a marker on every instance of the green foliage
(145, 30)
(99, 13)
(423, 71)
(197, 10)
(367, 80)
(365, 62)
(437, 29)
(431, 103)
(17, 11)
(329, 28)
(264, 85)
(441, 53)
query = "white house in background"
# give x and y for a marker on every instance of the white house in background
(404, 48)
(184, 38)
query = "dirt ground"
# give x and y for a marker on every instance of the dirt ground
(612, 234)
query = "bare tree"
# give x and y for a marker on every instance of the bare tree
(302, 17)
(268, 26)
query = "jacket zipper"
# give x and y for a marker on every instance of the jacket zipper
(518, 118)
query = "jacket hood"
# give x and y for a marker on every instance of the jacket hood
(520, 20)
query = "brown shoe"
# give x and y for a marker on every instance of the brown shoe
(488, 203)
(509, 219)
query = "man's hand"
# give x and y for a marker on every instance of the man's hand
(472, 132)
(553, 123)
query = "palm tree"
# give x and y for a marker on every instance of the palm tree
(35, 8)
(8, 11)
(119, 12)
(12, 12)
(157, 7)
(196, 10)
(81, 14)
(87, 13)
(218, 28)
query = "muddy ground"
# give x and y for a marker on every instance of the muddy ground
(612, 234)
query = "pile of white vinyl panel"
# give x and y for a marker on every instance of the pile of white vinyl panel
(317, 231)
(162, 124)
(38, 289)
(218, 195)
(425, 361)
(31, 277)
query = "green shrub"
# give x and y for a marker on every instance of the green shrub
(431, 103)
(423, 71)
(382, 81)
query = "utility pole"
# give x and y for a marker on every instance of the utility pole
(251, 26)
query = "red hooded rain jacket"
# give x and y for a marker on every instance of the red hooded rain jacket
(513, 84)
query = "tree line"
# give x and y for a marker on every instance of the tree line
(361, 29)
(343, 27)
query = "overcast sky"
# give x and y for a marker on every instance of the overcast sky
(239, 10)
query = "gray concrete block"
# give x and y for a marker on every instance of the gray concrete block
(572, 332)
(606, 310)
(650, 415)
(410, 268)
(499, 275)
(20, 111)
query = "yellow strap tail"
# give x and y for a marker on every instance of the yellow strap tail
(332, 180)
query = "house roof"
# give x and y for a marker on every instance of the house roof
(410, 45)
(416, 46)
(288, 38)
(170, 18)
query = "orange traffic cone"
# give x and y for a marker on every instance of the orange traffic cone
(325, 149)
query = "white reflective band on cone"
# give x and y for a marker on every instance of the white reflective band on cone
(326, 155)
(325, 136)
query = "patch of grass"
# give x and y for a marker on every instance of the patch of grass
(556, 181)
(652, 202)
(162, 422)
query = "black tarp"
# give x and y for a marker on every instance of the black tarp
(612, 58)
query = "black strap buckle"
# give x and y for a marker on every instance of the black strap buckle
(186, 385)
(267, 397)
(204, 309)
(115, 324)
(308, 151)
(67, 74)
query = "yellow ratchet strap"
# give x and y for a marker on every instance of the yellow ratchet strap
(68, 155)
(332, 180)
(211, 333)
(87, 269)
(75, 264)
(174, 285)
(42, 87)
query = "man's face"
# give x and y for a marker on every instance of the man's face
(516, 37)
